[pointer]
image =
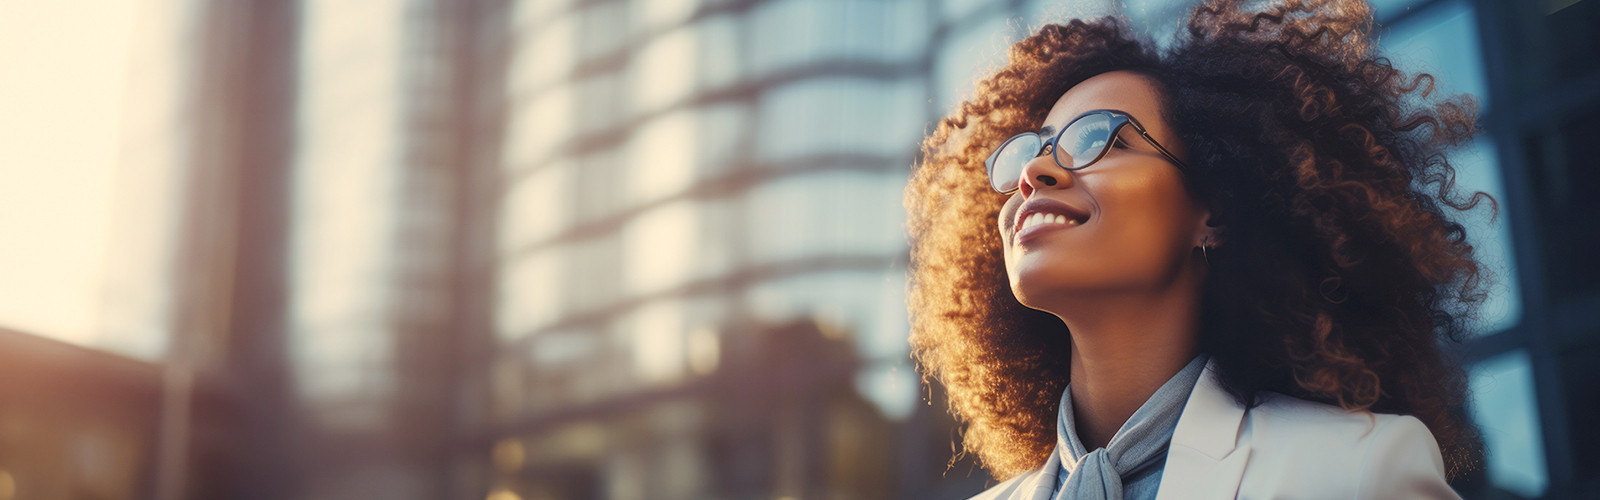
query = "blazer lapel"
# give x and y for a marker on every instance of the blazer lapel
(1209, 448)
(1045, 480)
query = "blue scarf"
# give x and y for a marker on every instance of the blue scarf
(1141, 442)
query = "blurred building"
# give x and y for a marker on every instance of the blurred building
(624, 249)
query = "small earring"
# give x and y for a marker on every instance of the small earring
(1203, 243)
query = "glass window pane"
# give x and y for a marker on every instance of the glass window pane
(650, 15)
(777, 235)
(864, 304)
(672, 245)
(886, 329)
(1442, 41)
(659, 332)
(892, 387)
(825, 213)
(600, 191)
(956, 11)
(660, 246)
(537, 126)
(532, 12)
(155, 149)
(1042, 12)
(90, 192)
(720, 44)
(971, 52)
(343, 210)
(905, 33)
(547, 55)
(786, 34)
(1478, 170)
(530, 294)
(1506, 410)
(596, 262)
(536, 208)
(598, 31)
(781, 37)
(661, 157)
(1159, 19)
(663, 72)
(840, 115)
(599, 102)
(725, 129)
(1388, 9)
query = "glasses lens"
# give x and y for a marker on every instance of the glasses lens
(1084, 140)
(1005, 165)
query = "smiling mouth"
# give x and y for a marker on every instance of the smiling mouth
(1040, 222)
(1038, 218)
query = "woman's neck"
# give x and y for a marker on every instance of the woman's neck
(1123, 352)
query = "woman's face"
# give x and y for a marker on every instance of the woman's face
(1141, 227)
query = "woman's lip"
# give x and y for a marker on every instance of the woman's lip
(1048, 206)
(1036, 230)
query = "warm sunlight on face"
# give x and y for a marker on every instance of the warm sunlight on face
(1138, 224)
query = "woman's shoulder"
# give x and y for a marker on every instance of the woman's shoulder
(1021, 486)
(1298, 446)
(1279, 409)
(1288, 417)
(1309, 443)
(1282, 424)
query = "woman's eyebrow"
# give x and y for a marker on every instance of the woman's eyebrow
(1050, 131)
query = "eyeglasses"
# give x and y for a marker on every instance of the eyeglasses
(1084, 140)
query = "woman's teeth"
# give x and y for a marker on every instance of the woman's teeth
(1044, 218)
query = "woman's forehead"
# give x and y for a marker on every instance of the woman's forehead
(1120, 90)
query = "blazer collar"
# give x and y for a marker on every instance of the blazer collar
(1209, 446)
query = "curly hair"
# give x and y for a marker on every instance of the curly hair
(1341, 273)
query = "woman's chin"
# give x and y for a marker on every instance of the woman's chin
(1039, 294)
(1049, 288)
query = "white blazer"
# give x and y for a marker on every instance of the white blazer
(1284, 448)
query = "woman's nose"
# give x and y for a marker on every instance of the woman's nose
(1043, 173)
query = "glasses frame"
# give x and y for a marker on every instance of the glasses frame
(1118, 119)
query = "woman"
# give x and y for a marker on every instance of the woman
(1236, 251)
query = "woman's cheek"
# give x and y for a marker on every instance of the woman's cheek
(1140, 232)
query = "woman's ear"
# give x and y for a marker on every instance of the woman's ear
(1211, 232)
